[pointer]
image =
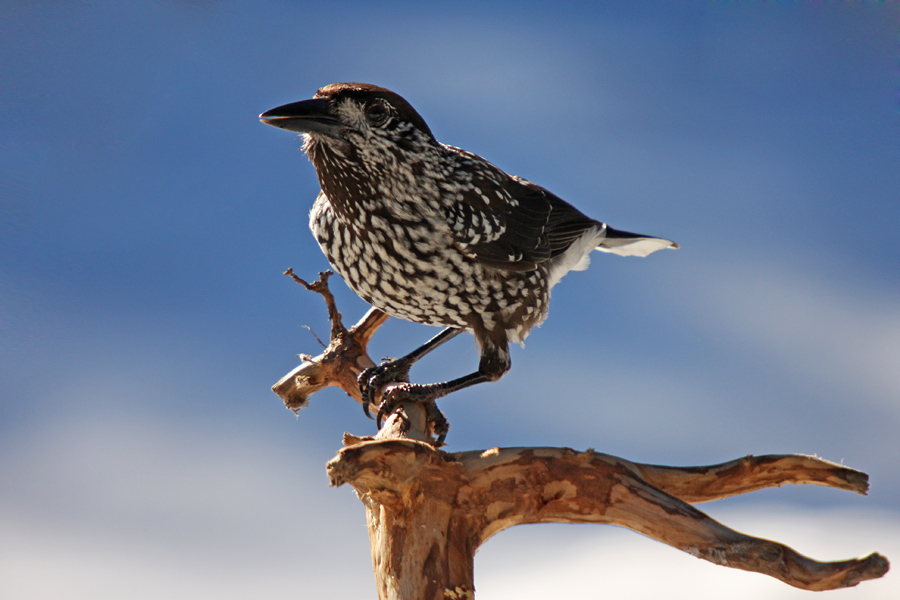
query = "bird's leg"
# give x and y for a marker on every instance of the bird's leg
(494, 364)
(372, 380)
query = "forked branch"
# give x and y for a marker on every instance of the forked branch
(455, 502)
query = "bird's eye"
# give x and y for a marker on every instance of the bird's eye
(377, 112)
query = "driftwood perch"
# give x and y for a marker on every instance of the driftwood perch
(428, 511)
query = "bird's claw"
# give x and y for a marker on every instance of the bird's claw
(422, 394)
(372, 381)
(373, 384)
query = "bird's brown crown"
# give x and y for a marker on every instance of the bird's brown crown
(365, 93)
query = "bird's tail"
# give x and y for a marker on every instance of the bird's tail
(625, 243)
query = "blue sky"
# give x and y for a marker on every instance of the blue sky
(146, 217)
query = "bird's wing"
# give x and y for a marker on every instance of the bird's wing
(510, 223)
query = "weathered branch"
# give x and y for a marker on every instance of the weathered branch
(748, 474)
(341, 362)
(455, 502)
(428, 511)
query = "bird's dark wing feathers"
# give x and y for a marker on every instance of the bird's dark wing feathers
(527, 225)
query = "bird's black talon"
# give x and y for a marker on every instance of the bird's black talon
(425, 395)
(382, 413)
(372, 381)
(389, 402)
(439, 424)
(365, 407)
(368, 387)
(362, 381)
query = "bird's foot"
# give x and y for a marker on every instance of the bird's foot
(427, 396)
(373, 380)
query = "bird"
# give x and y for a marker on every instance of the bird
(433, 234)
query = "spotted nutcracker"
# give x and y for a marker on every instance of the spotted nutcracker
(436, 235)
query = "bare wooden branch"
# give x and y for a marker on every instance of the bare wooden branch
(702, 484)
(341, 362)
(428, 511)
(455, 502)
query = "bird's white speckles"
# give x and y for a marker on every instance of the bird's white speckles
(401, 218)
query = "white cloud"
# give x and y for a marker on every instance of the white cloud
(132, 508)
(842, 332)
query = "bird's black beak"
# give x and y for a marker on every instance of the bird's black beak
(306, 116)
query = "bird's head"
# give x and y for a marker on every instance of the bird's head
(352, 119)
